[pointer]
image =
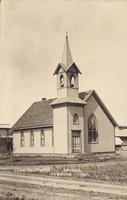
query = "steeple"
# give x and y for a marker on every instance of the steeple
(67, 61)
(67, 57)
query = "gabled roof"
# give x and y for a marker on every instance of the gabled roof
(40, 114)
(66, 69)
(86, 95)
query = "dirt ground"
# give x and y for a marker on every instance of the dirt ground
(14, 186)
(20, 191)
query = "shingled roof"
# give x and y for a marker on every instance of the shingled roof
(40, 114)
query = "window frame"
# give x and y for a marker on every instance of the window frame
(42, 138)
(22, 139)
(72, 76)
(75, 121)
(92, 131)
(52, 137)
(60, 79)
(31, 138)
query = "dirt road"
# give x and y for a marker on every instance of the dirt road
(65, 184)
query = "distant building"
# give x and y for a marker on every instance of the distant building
(5, 138)
(69, 124)
(122, 127)
(121, 136)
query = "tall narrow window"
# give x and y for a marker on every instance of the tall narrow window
(61, 81)
(92, 129)
(31, 139)
(22, 140)
(75, 119)
(76, 142)
(72, 81)
(42, 138)
(52, 137)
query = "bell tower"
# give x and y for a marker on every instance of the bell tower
(67, 107)
(67, 74)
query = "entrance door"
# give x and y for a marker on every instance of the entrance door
(76, 141)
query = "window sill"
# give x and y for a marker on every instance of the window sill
(76, 152)
(93, 143)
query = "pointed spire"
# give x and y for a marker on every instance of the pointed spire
(67, 57)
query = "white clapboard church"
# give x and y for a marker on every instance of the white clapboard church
(71, 123)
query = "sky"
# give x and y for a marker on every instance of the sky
(32, 37)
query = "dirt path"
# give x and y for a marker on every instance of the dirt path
(65, 184)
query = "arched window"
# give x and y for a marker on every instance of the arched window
(75, 119)
(61, 81)
(92, 129)
(72, 81)
(22, 140)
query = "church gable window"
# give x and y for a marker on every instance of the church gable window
(92, 129)
(22, 140)
(61, 81)
(75, 119)
(72, 81)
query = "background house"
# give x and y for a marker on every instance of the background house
(6, 138)
(121, 137)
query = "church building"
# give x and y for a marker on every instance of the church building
(72, 123)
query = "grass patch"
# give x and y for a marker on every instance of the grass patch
(116, 172)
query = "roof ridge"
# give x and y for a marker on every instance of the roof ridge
(86, 91)
(45, 100)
